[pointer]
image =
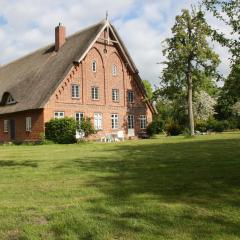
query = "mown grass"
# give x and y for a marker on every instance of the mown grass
(164, 188)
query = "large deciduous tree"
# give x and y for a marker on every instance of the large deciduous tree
(191, 62)
(228, 11)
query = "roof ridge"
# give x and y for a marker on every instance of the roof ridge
(51, 44)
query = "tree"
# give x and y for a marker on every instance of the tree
(203, 106)
(236, 109)
(191, 62)
(230, 93)
(232, 83)
(228, 12)
(148, 88)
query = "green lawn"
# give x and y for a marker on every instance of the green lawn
(165, 188)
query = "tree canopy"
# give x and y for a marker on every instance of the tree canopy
(191, 63)
(228, 11)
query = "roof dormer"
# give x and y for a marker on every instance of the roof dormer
(7, 99)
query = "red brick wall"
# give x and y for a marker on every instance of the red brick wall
(83, 75)
(20, 125)
(86, 78)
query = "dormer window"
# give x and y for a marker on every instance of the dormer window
(7, 99)
(94, 66)
(10, 100)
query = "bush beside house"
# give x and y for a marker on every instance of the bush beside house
(61, 130)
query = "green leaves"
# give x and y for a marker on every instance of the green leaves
(189, 44)
(191, 63)
(228, 11)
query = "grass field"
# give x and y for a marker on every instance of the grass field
(165, 188)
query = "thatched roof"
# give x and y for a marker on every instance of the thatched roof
(31, 80)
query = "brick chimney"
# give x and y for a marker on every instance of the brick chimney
(60, 36)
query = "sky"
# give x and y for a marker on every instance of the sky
(26, 25)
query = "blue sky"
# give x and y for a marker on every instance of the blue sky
(143, 24)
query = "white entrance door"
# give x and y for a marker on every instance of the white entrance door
(131, 125)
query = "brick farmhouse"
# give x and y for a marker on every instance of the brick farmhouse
(89, 74)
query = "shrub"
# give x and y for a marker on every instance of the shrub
(216, 125)
(61, 130)
(155, 127)
(173, 129)
(201, 126)
(86, 126)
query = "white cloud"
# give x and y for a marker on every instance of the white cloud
(143, 25)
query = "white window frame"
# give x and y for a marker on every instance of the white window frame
(59, 115)
(130, 96)
(28, 124)
(115, 95)
(114, 70)
(94, 66)
(131, 121)
(6, 126)
(79, 116)
(115, 120)
(98, 121)
(95, 93)
(75, 91)
(143, 121)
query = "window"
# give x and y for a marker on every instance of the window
(130, 96)
(143, 121)
(59, 115)
(10, 100)
(79, 116)
(28, 124)
(115, 95)
(94, 66)
(95, 93)
(114, 70)
(75, 91)
(115, 121)
(5, 126)
(131, 122)
(98, 121)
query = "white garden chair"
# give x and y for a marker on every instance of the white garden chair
(120, 136)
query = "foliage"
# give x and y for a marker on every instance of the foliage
(201, 126)
(148, 88)
(203, 106)
(230, 93)
(61, 130)
(173, 128)
(228, 12)
(236, 109)
(232, 84)
(86, 126)
(175, 110)
(156, 126)
(215, 125)
(190, 61)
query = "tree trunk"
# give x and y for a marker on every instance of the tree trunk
(190, 103)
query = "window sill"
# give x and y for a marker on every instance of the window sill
(75, 98)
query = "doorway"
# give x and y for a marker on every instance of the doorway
(12, 129)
